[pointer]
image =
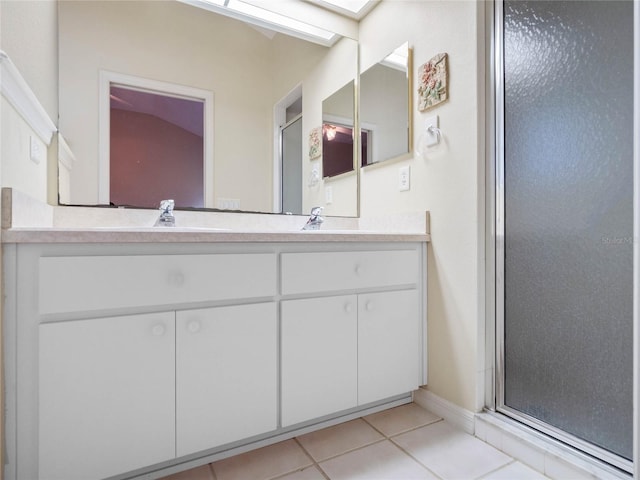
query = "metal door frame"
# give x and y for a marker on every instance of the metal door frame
(496, 247)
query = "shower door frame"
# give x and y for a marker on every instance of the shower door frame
(495, 246)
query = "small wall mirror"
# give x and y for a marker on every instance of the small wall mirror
(337, 132)
(385, 100)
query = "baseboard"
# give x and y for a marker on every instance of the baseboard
(452, 413)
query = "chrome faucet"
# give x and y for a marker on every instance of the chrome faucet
(166, 218)
(315, 220)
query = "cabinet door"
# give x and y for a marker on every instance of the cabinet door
(106, 395)
(226, 375)
(389, 339)
(319, 359)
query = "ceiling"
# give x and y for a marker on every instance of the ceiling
(273, 15)
(355, 9)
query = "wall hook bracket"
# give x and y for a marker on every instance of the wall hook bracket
(433, 134)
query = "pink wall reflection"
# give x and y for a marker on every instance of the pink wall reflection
(157, 149)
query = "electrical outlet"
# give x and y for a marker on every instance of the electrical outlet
(404, 178)
(328, 195)
(228, 204)
(35, 150)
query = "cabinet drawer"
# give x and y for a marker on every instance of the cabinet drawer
(337, 271)
(69, 284)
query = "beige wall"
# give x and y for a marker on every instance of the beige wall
(446, 180)
(28, 35)
(17, 170)
(332, 73)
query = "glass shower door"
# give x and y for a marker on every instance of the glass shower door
(566, 193)
(291, 144)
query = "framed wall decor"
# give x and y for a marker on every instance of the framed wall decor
(433, 87)
(315, 143)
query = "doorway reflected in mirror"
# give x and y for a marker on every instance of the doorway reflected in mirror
(156, 148)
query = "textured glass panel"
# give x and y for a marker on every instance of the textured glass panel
(568, 216)
(292, 168)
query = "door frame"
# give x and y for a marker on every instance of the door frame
(636, 242)
(282, 169)
(279, 122)
(108, 78)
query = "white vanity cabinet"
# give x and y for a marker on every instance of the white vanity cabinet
(106, 395)
(126, 359)
(389, 349)
(319, 357)
(226, 375)
(340, 352)
(116, 394)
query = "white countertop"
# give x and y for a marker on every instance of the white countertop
(25, 220)
(197, 235)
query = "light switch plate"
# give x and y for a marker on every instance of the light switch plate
(404, 178)
(328, 195)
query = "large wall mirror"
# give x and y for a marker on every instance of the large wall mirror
(135, 61)
(385, 107)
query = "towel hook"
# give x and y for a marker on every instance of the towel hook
(435, 131)
(433, 134)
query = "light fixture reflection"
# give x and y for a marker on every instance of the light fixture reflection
(329, 131)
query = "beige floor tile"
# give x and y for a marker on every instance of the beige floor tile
(200, 473)
(380, 461)
(332, 441)
(263, 463)
(451, 453)
(515, 471)
(309, 473)
(401, 419)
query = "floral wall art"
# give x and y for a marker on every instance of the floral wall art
(315, 143)
(433, 87)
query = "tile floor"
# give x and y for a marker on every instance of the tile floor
(405, 442)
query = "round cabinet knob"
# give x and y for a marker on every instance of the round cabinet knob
(368, 306)
(158, 330)
(358, 270)
(193, 326)
(176, 279)
(348, 308)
